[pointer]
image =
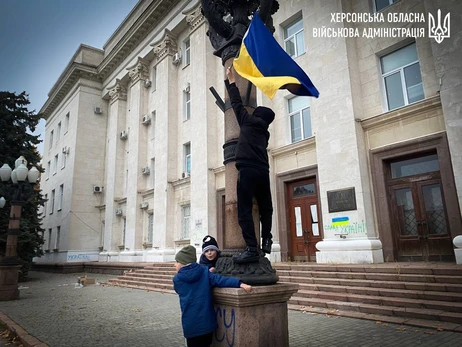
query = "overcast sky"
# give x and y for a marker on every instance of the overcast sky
(39, 37)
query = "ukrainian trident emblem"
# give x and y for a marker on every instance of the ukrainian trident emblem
(439, 31)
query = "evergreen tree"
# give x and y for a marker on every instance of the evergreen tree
(16, 139)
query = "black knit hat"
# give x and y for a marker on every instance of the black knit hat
(209, 242)
(186, 255)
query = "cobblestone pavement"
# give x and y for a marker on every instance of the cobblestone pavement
(57, 313)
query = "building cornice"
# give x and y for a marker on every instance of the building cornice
(410, 111)
(151, 15)
(155, 12)
(69, 77)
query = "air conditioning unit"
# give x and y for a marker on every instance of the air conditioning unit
(185, 174)
(65, 150)
(144, 205)
(145, 170)
(98, 110)
(147, 83)
(176, 58)
(97, 189)
(188, 88)
(119, 212)
(123, 135)
(146, 119)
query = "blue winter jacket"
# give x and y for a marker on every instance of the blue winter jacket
(194, 283)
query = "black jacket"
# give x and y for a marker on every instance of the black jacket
(253, 139)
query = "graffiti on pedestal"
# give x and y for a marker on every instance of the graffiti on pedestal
(226, 326)
(343, 225)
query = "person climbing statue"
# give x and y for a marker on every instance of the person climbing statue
(253, 172)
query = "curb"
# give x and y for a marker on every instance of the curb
(26, 339)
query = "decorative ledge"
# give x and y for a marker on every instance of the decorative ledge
(413, 110)
(181, 182)
(304, 144)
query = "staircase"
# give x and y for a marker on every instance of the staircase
(427, 295)
(157, 276)
(418, 294)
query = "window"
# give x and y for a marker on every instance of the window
(45, 205)
(52, 207)
(66, 123)
(58, 132)
(153, 125)
(187, 103)
(60, 197)
(300, 118)
(50, 144)
(153, 172)
(124, 231)
(154, 78)
(55, 164)
(49, 239)
(48, 169)
(381, 4)
(58, 235)
(185, 223)
(150, 227)
(415, 166)
(187, 52)
(294, 41)
(401, 77)
(63, 160)
(187, 158)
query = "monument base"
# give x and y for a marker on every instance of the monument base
(9, 282)
(257, 273)
(355, 251)
(256, 319)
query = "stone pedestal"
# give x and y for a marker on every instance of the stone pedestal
(349, 251)
(458, 248)
(256, 319)
(9, 282)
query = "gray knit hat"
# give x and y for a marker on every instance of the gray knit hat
(209, 242)
(186, 255)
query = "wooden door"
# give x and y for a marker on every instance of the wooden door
(305, 226)
(420, 221)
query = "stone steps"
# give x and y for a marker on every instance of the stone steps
(416, 294)
(411, 294)
(441, 287)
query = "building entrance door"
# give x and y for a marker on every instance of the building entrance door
(305, 229)
(418, 210)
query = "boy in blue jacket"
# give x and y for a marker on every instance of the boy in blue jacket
(194, 283)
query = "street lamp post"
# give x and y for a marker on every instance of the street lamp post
(20, 177)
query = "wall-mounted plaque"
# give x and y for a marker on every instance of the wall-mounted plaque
(341, 200)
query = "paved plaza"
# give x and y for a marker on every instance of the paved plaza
(58, 314)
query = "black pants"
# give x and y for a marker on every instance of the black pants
(254, 182)
(200, 341)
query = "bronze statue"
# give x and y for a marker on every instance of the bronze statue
(229, 20)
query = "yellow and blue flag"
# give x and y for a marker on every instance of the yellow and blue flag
(263, 62)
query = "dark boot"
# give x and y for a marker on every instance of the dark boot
(249, 255)
(266, 246)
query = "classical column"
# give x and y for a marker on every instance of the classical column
(203, 122)
(166, 147)
(135, 159)
(114, 180)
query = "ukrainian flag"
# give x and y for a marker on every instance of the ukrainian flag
(263, 62)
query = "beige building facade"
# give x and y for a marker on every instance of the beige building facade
(371, 171)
